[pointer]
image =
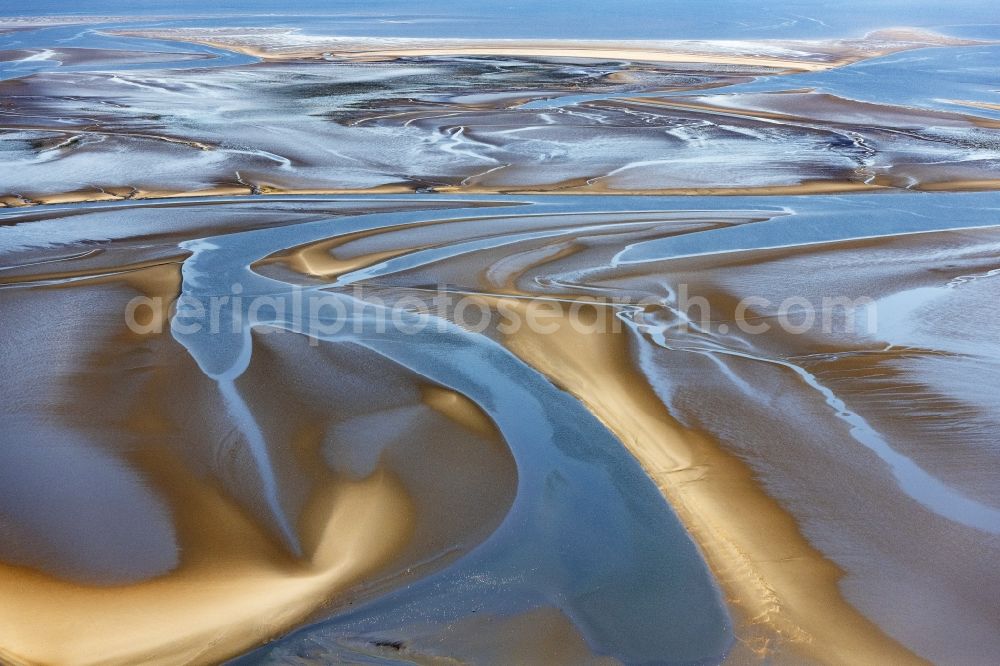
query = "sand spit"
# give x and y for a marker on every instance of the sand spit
(289, 44)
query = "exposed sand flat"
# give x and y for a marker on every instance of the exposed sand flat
(806, 106)
(796, 593)
(801, 585)
(794, 600)
(215, 606)
(229, 487)
(451, 124)
(793, 106)
(783, 590)
(576, 188)
(235, 586)
(961, 186)
(601, 187)
(975, 104)
(608, 53)
(803, 188)
(117, 194)
(279, 44)
(87, 56)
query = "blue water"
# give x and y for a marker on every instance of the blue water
(91, 37)
(589, 19)
(576, 486)
(927, 78)
(595, 19)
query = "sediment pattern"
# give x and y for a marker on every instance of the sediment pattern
(352, 350)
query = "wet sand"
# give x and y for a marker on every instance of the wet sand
(788, 596)
(92, 57)
(784, 592)
(773, 527)
(488, 123)
(279, 44)
(235, 582)
(213, 607)
(362, 493)
(569, 188)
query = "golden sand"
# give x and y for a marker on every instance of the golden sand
(235, 585)
(600, 187)
(810, 107)
(460, 409)
(566, 50)
(810, 56)
(213, 606)
(961, 185)
(978, 105)
(610, 53)
(783, 592)
(579, 187)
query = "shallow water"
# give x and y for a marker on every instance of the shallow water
(494, 124)
(167, 55)
(575, 484)
(325, 354)
(627, 19)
